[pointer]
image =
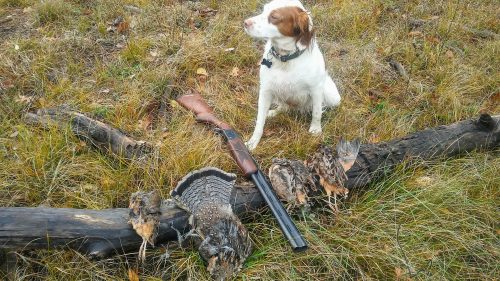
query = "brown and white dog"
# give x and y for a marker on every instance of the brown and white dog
(292, 74)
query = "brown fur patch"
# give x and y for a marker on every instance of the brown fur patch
(293, 22)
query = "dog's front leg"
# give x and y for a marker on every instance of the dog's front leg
(317, 110)
(265, 99)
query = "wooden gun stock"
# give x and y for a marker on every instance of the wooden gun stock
(195, 103)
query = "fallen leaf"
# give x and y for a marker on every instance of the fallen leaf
(374, 95)
(387, 248)
(122, 27)
(16, 47)
(42, 102)
(133, 274)
(235, 72)
(201, 71)
(175, 105)
(24, 99)
(496, 98)
(119, 25)
(415, 33)
(13, 135)
(207, 12)
(6, 84)
(373, 138)
(424, 181)
(431, 255)
(433, 39)
(133, 23)
(104, 91)
(398, 272)
(80, 146)
(145, 123)
(229, 50)
(449, 54)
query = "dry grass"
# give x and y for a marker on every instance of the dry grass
(435, 221)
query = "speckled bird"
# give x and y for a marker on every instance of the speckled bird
(331, 167)
(144, 216)
(225, 242)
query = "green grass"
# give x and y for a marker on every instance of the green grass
(427, 221)
(52, 11)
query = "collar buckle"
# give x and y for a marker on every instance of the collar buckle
(285, 58)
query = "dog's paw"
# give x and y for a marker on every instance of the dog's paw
(272, 113)
(315, 130)
(251, 144)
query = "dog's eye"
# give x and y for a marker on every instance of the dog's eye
(274, 17)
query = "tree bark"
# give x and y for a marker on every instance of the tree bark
(100, 233)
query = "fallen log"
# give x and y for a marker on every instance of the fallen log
(100, 233)
(100, 135)
(376, 160)
(97, 233)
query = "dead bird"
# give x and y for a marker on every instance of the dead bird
(225, 243)
(144, 216)
(331, 167)
(294, 181)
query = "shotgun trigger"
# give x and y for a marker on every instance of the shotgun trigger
(229, 134)
(218, 131)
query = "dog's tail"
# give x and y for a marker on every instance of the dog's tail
(331, 94)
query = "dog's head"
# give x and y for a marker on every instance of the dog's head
(281, 19)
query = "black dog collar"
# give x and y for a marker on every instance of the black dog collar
(283, 58)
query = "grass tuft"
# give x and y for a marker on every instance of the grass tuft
(52, 11)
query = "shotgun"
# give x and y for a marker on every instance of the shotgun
(194, 102)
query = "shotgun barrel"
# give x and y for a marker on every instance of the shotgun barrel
(194, 102)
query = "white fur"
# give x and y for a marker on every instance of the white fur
(302, 82)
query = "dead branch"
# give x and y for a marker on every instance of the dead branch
(101, 135)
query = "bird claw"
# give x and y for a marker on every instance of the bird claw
(333, 205)
(142, 250)
(181, 239)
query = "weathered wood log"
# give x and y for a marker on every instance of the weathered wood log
(102, 233)
(100, 135)
(98, 233)
(378, 159)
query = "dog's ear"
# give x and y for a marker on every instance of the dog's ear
(303, 31)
